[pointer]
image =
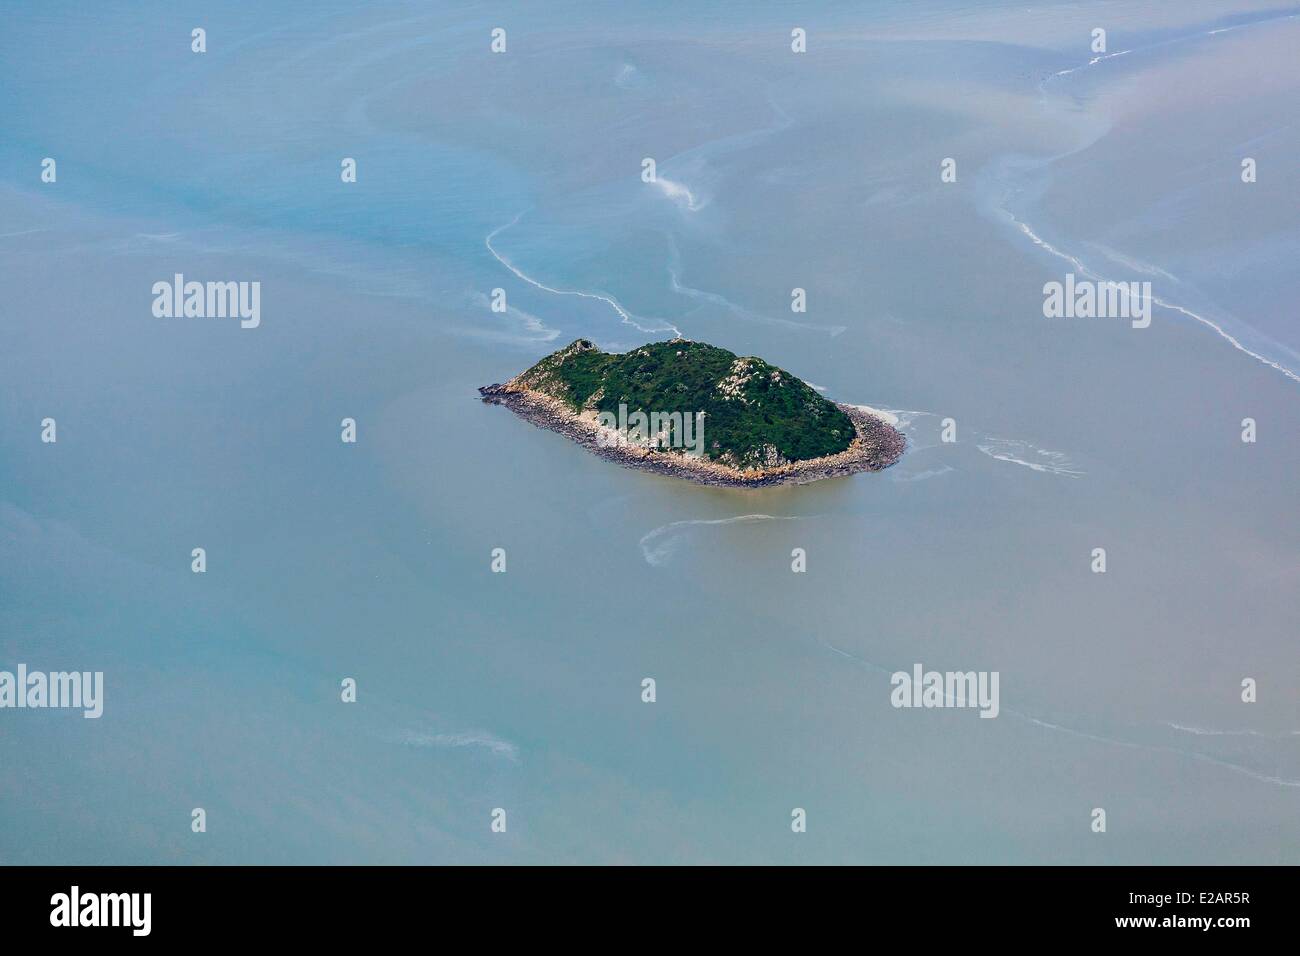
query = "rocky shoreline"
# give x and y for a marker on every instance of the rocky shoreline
(877, 445)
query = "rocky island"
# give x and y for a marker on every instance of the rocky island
(699, 412)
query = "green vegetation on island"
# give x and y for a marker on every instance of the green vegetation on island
(756, 415)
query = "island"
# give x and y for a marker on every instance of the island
(699, 412)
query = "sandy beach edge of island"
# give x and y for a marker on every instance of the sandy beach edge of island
(877, 445)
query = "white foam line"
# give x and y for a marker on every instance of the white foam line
(1223, 333)
(920, 475)
(530, 322)
(1044, 244)
(1163, 303)
(1193, 754)
(1129, 262)
(999, 449)
(1097, 738)
(608, 300)
(679, 193)
(1057, 463)
(1208, 732)
(882, 413)
(495, 745)
(900, 418)
(657, 556)
(1024, 227)
(1173, 40)
(722, 301)
(1093, 62)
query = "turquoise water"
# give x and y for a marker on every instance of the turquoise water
(523, 690)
